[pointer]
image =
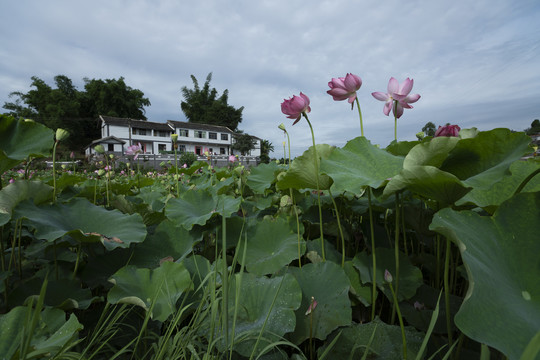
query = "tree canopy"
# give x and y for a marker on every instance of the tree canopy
(266, 149)
(534, 129)
(77, 111)
(429, 129)
(244, 143)
(204, 106)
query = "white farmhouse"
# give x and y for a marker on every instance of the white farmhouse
(155, 138)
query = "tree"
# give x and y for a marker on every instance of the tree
(429, 129)
(534, 129)
(203, 106)
(244, 143)
(77, 111)
(266, 148)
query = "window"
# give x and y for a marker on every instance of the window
(210, 151)
(222, 151)
(136, 131)
(182, 148)
(212, 135)
(162, 148)
(224, 137)
(184, 133)
(110, 147)
(161, 133)
(198, 150)
(200, 134)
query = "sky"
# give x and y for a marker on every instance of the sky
(474, 63)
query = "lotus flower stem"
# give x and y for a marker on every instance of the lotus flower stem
(388, 279)
(360, 114)
(396, 249)
(395, 119)
(316, 156)
(340, 230)
(297, 228)
(374, 258)
(447, 292)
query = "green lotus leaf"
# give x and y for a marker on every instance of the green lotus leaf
(163, 286)
(481, 161)
(502, 190)
(20, 139)
(19, 191)
(65, 294)
(360, 291)
(401, 148)
(303, 174)
(271, 244)
(262, 301)
(500, 253)
(83, 221)
(428, 182)
(262, 177)
(52, 333)
(197, 207)
(410, 277)
(380, 340)
(328, 284)
(359, 164)
(169, 241)
(431, 153)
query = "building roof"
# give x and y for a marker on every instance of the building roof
(106, 140)
(139, 124)
(196, 126)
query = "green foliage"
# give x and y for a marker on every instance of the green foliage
(429, 129)
(266, 149)
(75, 110)
(244, 143)
(187, 158)
(204, 106)
(534, 129)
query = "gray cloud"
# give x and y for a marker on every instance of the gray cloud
(474, 63)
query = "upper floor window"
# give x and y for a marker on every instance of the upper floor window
(183, 132)
(212, 135)
(136, 131)
(161, 133)
(224, 136)
(200, 134)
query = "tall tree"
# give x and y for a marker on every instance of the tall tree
(77, 111)
(429, 129)
(534, 129)
(203, 106)
(266, 148)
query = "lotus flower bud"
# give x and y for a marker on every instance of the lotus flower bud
(388, 277)
(174, 138)
(61, 134)
(282, 127)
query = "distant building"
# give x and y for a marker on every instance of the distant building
(155, 138)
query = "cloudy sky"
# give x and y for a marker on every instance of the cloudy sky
(474, 63)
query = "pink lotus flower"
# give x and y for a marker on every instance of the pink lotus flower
(295, 106)
(397, 98)
(447, 130)
(232, 158)
(344, 87)
(312, 306)
(134, 150)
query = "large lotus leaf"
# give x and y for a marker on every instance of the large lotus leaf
(506, 186)
(20, 139)
(163, 286)
(19, 191)
(303, 174)
(429, 182)
(100, 267)
(262, 177)
(380, 340)
(261, 300)
(481, 161)
(359, 164)
(196, 207)
(501, 255)
(168, 241)
(83, 221)
(272, 244)
(432, 153)
(328, 284)
(401, 148)
(410, 277)
(51, 334)
(66, 294)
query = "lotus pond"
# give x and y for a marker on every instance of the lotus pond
(422, 250)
